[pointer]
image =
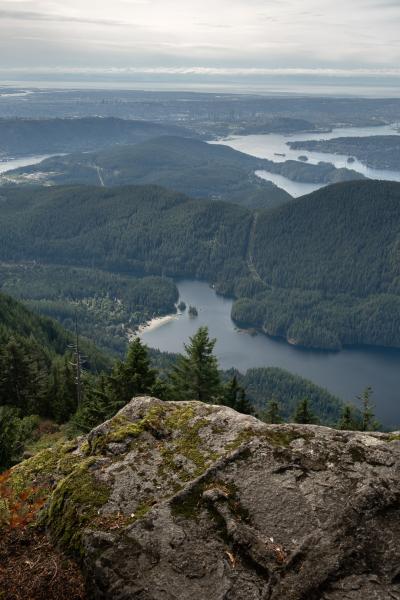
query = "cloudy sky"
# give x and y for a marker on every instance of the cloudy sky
(202, 38)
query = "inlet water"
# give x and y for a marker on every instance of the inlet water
(345, 374)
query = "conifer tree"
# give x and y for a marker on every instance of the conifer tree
(303, 413)
(8, 435)
(132, 377)
(368, 422)
(14, 431)
(234, 395)
(195, 375)
(272, 414)
(347, 421)
(22, 377)
(243, 405)
(97, 406)
(230, 393)
(62, 395)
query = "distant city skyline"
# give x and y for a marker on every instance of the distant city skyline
(233, 44)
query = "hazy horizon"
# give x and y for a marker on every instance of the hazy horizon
(283, 46)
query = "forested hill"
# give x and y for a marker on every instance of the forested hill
(343, 238)
(41, 335)
(45, 136)
(186, 165)
(331, 261)
(145, 230)
(322, 271)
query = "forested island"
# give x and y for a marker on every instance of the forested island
(377, 152)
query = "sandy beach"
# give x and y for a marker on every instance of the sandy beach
(151, 325)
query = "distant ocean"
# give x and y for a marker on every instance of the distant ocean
(373, 87)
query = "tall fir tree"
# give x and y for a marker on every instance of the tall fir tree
(243, 404)
(23, 377)
(368, 422)
(62, 393)
(97, 405)
(231, 392)
(272, 414)
(303, 413)
(132, 377)
(347, 421)
(234, 396)
(195, 375)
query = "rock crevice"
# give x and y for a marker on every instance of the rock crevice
(187, 500)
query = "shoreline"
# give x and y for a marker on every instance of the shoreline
(153, 324)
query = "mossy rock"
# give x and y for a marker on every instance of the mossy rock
(205, 502)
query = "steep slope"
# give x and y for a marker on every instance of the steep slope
(108, 305)
(344, 238)
(187, 500)
(330, 262)
(186, 165)
(16, 321)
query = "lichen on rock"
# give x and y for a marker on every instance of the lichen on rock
(172, 500)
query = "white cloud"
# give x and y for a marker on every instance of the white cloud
(217, 34)
(210, 71)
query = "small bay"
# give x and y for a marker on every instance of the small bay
(274, 146)
(345, 373)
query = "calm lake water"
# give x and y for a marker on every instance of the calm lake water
(272, 146)
(15, 163)
(345, 374)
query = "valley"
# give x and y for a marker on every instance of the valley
(86, 233)
(273, 265)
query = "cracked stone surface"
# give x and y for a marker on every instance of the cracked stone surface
(209, 504)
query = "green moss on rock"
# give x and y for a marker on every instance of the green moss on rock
(74, 503)
(43, 467)
(121, 429)
(275, 437)
(188, 445)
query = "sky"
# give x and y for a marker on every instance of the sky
(350, 42)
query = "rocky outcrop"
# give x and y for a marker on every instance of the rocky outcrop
(178, 501)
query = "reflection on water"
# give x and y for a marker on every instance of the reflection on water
(345, 374)
(294, 188)
(273, 146)
(15, 163)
